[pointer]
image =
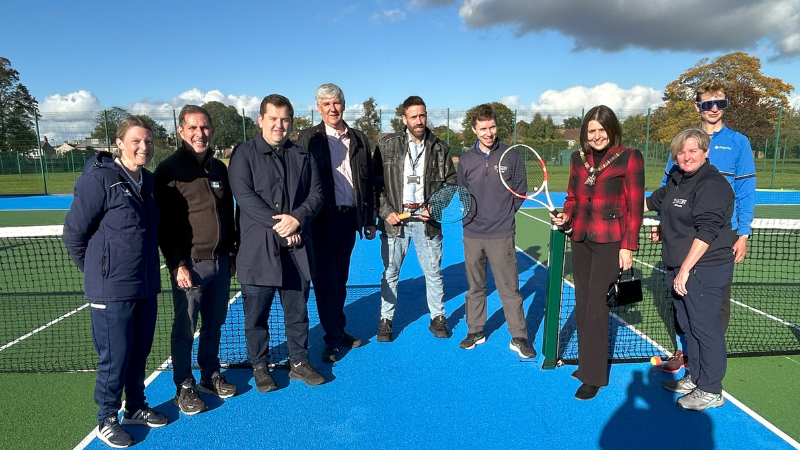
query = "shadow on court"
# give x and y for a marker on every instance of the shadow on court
(649, 418)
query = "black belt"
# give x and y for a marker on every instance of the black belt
(343, 208)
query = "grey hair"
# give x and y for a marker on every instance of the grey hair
(329, 90)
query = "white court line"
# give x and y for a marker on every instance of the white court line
(93, 434)
(52, 322)
(768, 425)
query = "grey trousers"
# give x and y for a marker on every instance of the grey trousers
(502, 254)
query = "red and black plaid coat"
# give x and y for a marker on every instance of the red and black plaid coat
(611, 210)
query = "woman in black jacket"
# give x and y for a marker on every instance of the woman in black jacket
(696, 207)
(111, 234)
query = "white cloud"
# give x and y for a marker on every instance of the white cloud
(75, 101)
(197, 97)
(794, 101)
(675, 25)
(391, 15)
(636, 99)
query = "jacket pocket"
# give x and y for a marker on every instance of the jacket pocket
(612, 214)
(106, 263)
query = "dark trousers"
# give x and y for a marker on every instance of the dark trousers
(213, 277)
(122, 333)
(698, 315)
(594, 268)
(333, 246)
(502, 254)
(257, 301)
(725, 308)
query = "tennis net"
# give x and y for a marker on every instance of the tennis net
(765, 300)
(45, 320)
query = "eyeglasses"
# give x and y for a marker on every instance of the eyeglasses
(708, 105)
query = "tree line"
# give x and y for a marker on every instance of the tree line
(755, 103)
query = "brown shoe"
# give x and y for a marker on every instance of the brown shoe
(675, 362)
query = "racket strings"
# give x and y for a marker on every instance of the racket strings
(449, 204)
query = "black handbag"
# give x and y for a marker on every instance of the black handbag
(626, 292)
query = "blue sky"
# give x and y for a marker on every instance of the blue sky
(534, 54)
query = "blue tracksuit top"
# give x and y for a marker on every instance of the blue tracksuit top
(730, 152)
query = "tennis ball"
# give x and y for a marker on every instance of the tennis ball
(655, 360)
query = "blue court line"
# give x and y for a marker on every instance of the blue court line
(422, 392)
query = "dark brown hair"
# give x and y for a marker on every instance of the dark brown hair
(610, 123)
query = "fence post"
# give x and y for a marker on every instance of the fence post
(783, 160)
(105, 124)
(647, 146)
(175, 123)
(41, 153)
(777, 147)
(448, 127)
(515, 127)
(244, 127)
(19, 166)
(380, 123)
(72, 158)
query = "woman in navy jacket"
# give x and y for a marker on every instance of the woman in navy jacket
(604, 209)
(696, 207)
(110, 232)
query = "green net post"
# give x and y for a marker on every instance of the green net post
(552, 306)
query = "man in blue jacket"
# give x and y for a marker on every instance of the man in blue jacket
(730, 152)
(277, 189)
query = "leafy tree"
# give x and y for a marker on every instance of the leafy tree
(159, 132)
(456, 141)
(522, 128)
(301, 123)
(228, 125)
(573, 122)
(369, 122)
(113, 116)
(397, 121)
(17, 107)
(634, 128)
(736, 69)
(505, 123)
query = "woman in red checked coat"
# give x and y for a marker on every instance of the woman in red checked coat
(604, 209)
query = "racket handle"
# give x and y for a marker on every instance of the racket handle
(403, 216)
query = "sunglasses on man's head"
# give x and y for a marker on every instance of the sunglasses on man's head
(708, 105)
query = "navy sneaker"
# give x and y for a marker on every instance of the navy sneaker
(144, 416)
(112, 433)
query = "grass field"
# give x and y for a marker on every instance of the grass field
(787, 176)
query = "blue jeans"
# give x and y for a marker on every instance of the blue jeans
(429, 255)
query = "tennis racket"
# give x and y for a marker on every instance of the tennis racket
(448, 204)
(524, 174)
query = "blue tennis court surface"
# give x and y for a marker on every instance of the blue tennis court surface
(422, 392)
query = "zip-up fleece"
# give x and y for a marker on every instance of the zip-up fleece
(196, 206)
(111, 233)
(491, 214)
(695, 206)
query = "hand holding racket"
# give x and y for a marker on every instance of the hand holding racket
(448, 204)
(524, 174)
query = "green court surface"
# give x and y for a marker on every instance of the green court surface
(32, 217)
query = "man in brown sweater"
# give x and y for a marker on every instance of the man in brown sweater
(198, 239)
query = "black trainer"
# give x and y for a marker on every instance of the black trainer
(144, 416)
(385, 330)
(439, 327)
(188, 401)
(523, 349)
(112, 433)
(351, 341)
(264, 380)
(218, 386)
(331, 354)
(304, 371)
(472, 339)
